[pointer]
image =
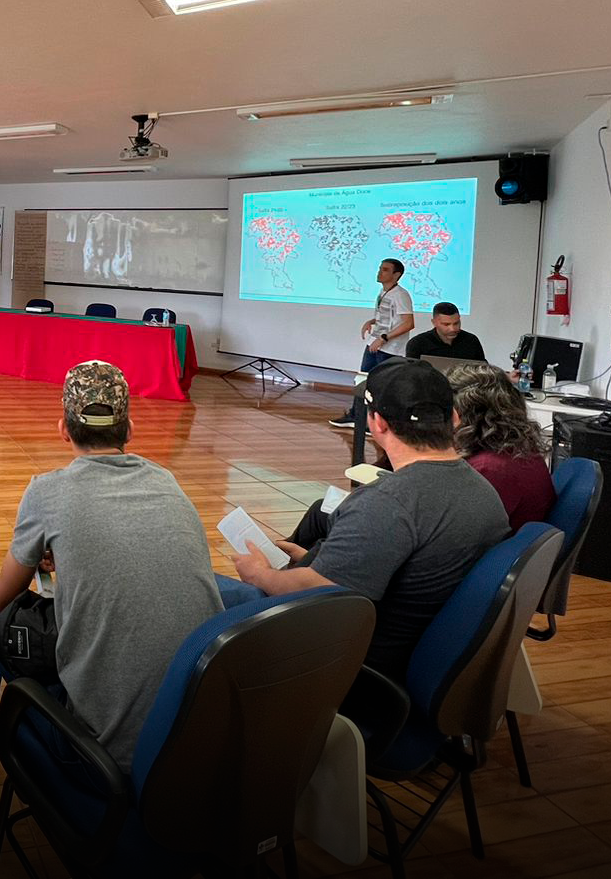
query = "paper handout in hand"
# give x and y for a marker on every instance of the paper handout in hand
(237, 527)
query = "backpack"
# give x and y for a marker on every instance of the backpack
(28, 635)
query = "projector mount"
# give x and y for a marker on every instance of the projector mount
(141, 145)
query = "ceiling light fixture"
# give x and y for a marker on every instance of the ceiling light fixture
(359, 161)
(109, 169)
(38, 129)
(311, 106)
(182, 7)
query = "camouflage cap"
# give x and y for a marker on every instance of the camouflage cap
(96, 382)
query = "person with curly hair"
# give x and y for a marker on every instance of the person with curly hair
(498, 440)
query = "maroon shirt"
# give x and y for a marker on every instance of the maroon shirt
(523, 484)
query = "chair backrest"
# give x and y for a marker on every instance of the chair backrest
(578, 483)
(241, 720)
(158, 312)
(459, 674)
(40, 303)
(101, 309)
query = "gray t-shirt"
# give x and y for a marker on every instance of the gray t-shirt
(133, 580)
(406, 541)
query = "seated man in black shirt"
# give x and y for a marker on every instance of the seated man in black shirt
(446, 339)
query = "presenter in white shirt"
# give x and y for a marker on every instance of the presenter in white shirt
(388, 329)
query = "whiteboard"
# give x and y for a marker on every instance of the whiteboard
(165, 250)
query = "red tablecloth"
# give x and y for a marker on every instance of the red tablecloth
(42, 347)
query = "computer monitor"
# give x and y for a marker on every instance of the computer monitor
(541, 350)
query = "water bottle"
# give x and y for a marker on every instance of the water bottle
(165, 318)
(525, 376)
(549, 377)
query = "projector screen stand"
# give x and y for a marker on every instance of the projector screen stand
(262, 365)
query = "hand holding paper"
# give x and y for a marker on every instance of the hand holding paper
(237, 527)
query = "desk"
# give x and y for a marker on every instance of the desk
(43, 347)
(543, 411)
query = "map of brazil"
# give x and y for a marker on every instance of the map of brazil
(323, 246)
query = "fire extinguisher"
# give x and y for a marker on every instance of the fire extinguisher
(558, 291)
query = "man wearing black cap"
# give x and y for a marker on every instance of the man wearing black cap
(406, 540)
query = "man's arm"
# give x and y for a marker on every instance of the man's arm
(404, 327)
(14, 579)
(367, 327)
(254, 568)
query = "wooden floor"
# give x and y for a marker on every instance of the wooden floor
(273, 455)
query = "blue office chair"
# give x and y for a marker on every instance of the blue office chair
(231, 741)
(158, 312)
(578, 483)
(40, 303)
(457, 686)
(101, 309)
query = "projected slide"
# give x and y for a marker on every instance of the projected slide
(323, 246)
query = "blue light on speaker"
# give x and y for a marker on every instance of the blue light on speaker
(510, 187)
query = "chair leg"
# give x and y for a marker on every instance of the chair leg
(6, 799)
(475, 834)
(395, 854)
(543, 634)
(21, 855)
(289, 854)
(518, 749)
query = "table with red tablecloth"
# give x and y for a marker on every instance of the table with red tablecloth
(42, 347)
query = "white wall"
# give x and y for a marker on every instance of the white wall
(578, 224)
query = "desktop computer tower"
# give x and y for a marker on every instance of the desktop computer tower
(584, 438)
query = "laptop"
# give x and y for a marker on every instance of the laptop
(445, 364)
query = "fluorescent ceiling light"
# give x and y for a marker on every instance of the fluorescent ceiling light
(349, 161)
(38, 129)
(182, 7)
(310, 106)
(109, 169)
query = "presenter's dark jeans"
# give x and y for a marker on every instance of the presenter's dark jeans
(368, 362)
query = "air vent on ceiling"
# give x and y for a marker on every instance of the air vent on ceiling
(156, 8)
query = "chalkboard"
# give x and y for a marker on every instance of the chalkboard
(166, 250)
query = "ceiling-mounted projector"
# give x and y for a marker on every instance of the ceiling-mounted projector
(152, 151)
(141, 145)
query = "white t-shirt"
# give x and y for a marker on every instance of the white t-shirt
(391, 307)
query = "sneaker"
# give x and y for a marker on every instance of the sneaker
(345, 420)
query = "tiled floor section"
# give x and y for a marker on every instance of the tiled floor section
(273, 455)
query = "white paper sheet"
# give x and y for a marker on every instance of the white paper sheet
(333, 498)
(237, 527)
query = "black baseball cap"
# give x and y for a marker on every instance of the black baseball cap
(400, 389)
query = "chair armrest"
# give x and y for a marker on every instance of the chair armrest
(379, 707)
(23, 695)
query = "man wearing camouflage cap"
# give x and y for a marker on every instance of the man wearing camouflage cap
(133, 572)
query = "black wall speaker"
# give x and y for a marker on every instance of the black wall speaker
(522, 178)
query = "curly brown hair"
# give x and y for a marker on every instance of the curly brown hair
(493, 414)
